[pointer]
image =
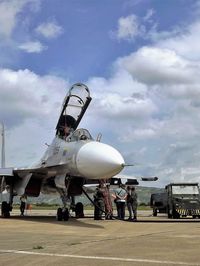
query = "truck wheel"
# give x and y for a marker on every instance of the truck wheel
(175, 214)
(155, 212)
(169, 213)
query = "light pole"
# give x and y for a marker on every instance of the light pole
(3, 164)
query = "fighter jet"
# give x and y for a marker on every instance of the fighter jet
(73, 159)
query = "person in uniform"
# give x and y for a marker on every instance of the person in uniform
(23, 200)
(99, 203)
(132, 203)
(5, 204)
(108, 203)
(120, 200)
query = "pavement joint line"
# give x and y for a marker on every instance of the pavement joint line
(97, 257)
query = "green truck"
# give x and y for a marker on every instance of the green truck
(178, 200)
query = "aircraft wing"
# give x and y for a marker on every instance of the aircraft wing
(9, 172)
(28, 180)
(6, 172)
(40, 172)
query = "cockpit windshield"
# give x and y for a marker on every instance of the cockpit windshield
(80, 134)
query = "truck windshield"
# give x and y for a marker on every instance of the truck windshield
(185, 189)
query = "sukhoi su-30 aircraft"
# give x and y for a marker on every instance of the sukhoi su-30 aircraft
(74, 159)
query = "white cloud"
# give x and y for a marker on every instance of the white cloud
(25, 95)
(149, 14)
(185, 43)
(9, 9)
(124, 99)
(49, 30)
(29, 107)
(153, 65)
(32, 47)
(129, 28)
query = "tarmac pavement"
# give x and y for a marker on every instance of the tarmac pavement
(41, 240)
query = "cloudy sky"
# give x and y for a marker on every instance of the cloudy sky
(141, 61)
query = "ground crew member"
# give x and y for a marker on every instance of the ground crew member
(99, 203)
(5, 202)
(120, 200)
(132, 203)
(108, 203)
(23, 200)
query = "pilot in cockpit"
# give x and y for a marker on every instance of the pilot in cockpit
(65, 131)
(66, 124)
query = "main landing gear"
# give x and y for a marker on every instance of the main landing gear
(63, 213)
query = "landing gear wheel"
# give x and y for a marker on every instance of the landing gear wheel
(5, 210)
(59, 214)
(65, 215)
(79, 210)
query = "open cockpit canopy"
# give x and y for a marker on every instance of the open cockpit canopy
(74, 106)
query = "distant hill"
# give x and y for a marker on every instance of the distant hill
(144, 194)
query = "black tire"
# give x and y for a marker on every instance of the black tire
(65, 215)
(169, 214)
(59, 214)
(5, 209)
(155, 212)
(175, 214)
(79, 210)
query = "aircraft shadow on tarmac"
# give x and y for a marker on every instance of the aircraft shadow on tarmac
(52, 220)
(82, 222)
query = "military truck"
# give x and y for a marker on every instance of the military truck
(179, 200)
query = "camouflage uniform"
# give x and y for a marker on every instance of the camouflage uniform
(132, 204)
(99, 204)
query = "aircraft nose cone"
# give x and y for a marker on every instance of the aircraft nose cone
(96, 160)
